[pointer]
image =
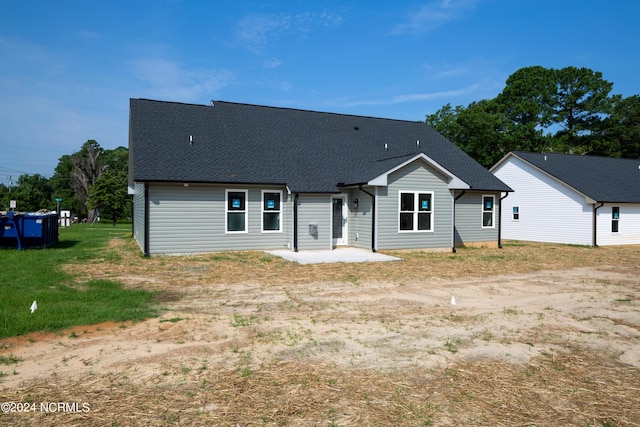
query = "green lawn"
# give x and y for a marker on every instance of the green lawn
(37, 275)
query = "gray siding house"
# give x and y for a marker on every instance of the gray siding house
(229, 176)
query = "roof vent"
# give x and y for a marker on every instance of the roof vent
(190, 139)
(356, 128)
(212, 103)
(417, 143)
(386, 147)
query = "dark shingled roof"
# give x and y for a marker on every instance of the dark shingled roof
(604, 179)
(308, 151)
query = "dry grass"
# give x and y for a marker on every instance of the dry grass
(565, 385)
(563, 389)
(250, 267)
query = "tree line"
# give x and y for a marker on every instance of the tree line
(568, 110)
(90, 182)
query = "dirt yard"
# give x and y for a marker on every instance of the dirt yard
(539, 335)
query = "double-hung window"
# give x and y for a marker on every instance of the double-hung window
(236, 211)
(271, 211)
(615, 218)
(516, 213)
(488, 211)
(415, 211)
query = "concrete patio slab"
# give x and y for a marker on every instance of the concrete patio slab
(336, 255)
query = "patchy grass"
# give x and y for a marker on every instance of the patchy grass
(254, 266)
(219, 376)
(63, 299)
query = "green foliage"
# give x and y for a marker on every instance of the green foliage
(33, 193)
(62, 187)
(563, 110)
(73, 181)
(62, 301)
(109, 195)
(621, 130)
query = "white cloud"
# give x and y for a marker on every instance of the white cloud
(167, 79)
(434, 15)
(257, 30)
(411, 97)
(271, 63)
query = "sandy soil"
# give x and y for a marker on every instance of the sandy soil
(378, 327)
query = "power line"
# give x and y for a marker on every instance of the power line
(31, 149)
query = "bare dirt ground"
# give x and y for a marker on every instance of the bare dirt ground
(539, 335)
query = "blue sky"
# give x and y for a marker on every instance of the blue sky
(69, 67)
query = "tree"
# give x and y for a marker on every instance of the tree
(621, 130)
(109, 195)
(33, 193)
(580, 104)
(62, 187)
(88, 167)
(445, 121)
(527, 102)
(479, 129)
(4, 197)
(540, 109)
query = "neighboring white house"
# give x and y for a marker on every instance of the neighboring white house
(572, 199)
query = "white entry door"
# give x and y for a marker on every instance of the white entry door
(339, 220)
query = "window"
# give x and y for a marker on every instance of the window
(271, 211)
(236, 209)
(487, 211)
(516, 213)
(416, 211)
(615, 218)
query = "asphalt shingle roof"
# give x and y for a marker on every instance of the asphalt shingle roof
(308, 151)
(604, 179)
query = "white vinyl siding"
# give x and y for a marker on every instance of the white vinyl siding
(193, 219)
(549, 210)
(628, 225)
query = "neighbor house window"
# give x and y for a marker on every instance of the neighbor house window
(416, 211)
(487, 211)
(516, 213)
(615, 218)
(236, 209)
(271, 211)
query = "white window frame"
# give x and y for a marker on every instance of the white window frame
(493, 211)
(263, 211)
(615, 220)
(227, 211)
(416, 211)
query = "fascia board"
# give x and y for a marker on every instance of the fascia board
(454, 181)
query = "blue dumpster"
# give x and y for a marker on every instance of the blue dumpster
(28, 229)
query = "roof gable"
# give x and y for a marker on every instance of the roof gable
(306, 150)
(602, 179)
(454, 181)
